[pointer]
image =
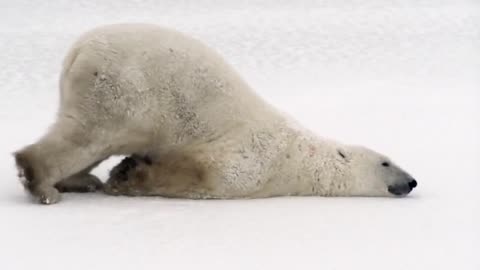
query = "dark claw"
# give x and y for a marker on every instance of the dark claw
(147, 160)
(124, 167)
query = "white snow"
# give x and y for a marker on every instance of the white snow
(399, 76)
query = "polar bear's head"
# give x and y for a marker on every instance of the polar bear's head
(373, 174)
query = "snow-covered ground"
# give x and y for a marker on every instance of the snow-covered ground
(400, 76)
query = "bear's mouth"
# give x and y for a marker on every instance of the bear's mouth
(402, 189)
(397, 191)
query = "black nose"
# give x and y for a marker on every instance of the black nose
(403, 188)
(412, 183)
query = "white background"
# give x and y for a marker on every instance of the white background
(401, 77)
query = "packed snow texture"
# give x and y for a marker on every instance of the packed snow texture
(399, 76)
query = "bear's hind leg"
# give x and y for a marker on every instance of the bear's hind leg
(66, 150)
(81, 182)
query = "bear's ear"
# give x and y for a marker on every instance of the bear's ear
(343, 154)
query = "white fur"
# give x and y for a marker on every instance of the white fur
(141, 89)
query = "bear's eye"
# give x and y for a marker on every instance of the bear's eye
(385, 164)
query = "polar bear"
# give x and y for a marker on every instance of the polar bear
(194, 129)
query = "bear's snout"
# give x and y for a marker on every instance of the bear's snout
(412, 184)
(403, 188)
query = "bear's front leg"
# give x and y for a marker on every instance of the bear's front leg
(127, 178)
